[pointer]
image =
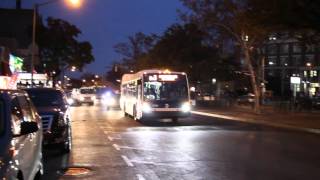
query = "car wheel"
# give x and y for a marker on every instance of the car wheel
(38, 175)
(67, 146)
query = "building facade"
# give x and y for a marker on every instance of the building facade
(292, 67)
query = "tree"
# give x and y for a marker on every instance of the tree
(114, 75)
(183, 48)
(136, 47)
(60, 48)
(235, 20)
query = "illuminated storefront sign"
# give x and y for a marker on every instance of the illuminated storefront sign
(295, 80)
(4, 82)
(15, 63)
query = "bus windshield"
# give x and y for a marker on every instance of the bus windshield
(170, 89)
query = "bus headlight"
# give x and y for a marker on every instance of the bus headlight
(186, 107)
(146, 108)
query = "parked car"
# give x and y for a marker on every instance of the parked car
(247, 99)
(316, 102)
(20, 137)
(84, 95)
(54, 111)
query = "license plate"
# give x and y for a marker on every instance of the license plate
(166, 109)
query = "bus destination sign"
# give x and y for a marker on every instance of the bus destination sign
(163, 77)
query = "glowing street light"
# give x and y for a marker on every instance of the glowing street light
(96, 76)
(73, 68)
(74, 3)
(83, 80)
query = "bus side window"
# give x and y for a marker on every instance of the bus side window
(139, 88)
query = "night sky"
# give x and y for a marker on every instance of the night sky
(105, 23)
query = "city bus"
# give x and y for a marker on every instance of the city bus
(155, 94)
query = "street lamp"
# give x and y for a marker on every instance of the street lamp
(74, 3)
(96, 76)
(73, 68)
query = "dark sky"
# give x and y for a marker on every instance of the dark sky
(107, 22)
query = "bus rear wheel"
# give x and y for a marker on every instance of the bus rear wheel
(175, 119)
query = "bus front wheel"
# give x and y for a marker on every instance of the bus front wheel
(124, 112)
(135, 114)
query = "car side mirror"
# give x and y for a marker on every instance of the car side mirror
(28, 127)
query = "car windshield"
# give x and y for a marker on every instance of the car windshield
(1, 117)
(101, 91)
(46, 98)
(166, 90)
(87, 91)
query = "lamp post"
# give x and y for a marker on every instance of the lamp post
(74, 3)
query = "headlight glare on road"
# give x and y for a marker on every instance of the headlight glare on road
(186, 107)
(146, 108)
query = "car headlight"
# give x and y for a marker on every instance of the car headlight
(107, 95)
(110, 101)
(61, 119)
(146, 108)
(70, 101)
(186, 107)
(81, 98)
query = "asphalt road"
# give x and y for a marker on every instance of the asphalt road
(112, 146)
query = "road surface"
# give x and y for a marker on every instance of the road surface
(111, 146)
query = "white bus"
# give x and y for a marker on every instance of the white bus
(155, 94)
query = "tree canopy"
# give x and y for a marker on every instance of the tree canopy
(60, 47)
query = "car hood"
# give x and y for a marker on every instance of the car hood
(49, 110)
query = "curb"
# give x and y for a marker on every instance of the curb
(260, 122)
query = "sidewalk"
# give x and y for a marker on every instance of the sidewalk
(301, 121)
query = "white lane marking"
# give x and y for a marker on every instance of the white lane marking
(140, 177)
(110, 138)
(116, 147)
(128, 162)
(153, 163)
(143, 149)
(262, 122)
(105, 132)
(216, 115)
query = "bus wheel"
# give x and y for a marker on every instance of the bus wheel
(175, 119)
(135, 114)
(124, 112)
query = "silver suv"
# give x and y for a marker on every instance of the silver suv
(20, 137)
